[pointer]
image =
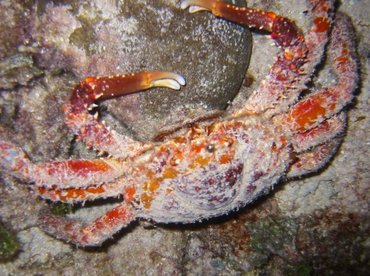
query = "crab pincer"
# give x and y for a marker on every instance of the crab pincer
(114, 86)
(92, 90)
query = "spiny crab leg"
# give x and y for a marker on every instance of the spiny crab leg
(324, 103)
(64, 174)
(76, 173)
(313, 160)
(325, 131)
(93, 89)
(289, 73)
(316, 129)
(92, 234)
(271, 93)
(283, 30)
(73, 195)
(82, 194)
(315, 147)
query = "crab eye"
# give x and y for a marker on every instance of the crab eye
(211, 148)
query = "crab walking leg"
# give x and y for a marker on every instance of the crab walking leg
(76, 173)
(60, 174)
(318, 36)
(326, 102)
(322, 133)
(92, 234)
(75, 195)
(283, 30)
(272, 93)
(85, 96)
(314, 159)
(315, 147)
(285, 80)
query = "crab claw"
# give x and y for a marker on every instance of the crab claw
(197, 5)
(119, 85)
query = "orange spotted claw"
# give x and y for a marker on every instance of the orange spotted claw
(88, 92)
(115, 86)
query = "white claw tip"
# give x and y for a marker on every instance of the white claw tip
(192, 8)
(180, 79)
(169, 83)
(184, 4)
(166, 79)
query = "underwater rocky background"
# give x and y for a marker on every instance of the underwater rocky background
(315, 225)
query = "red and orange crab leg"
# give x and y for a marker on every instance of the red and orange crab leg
(59, 174)
(315, 129)
(284, 82)
(75, 195)
(325, 131)
(315, 147)
(14, 160)
(313, 160)
(92, 234)
(65, 174)
(85, 96)
(324, 103)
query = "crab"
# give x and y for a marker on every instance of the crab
(210, 167)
